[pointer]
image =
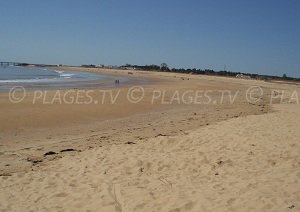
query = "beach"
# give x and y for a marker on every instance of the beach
(165, 142)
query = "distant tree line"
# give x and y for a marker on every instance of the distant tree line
(88, 66)
(23, 64)
(164, 68)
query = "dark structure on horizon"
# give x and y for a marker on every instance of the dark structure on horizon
(225, 73)
(164, 68)
(9, 64)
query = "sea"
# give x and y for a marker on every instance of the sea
(34, 77)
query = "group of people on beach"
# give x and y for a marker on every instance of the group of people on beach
(117, 82)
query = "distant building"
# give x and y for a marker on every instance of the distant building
(243, 76)
(129, 68)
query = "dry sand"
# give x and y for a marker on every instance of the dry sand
(153, 157)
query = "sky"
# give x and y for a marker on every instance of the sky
(257, 36)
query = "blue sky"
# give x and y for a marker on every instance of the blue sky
(257, 36)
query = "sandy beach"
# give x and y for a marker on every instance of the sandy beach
(234, 151)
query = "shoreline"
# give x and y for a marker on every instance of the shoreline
(107, 82)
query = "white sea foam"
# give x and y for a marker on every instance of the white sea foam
(66, 75)
(28, 80)
(62, 74)
(34, 76)
(59, 72)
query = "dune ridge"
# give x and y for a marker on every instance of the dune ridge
(242, 164)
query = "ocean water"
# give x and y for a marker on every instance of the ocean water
(10, 74)
(32, 77)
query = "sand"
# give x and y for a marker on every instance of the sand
(153, 157)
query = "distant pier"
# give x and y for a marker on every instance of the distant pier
(5, 64)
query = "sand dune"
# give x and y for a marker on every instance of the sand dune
(243, 164)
